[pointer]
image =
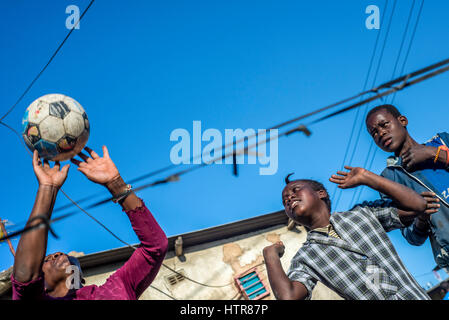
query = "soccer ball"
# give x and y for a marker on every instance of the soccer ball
(56, 126)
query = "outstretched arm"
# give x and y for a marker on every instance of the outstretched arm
(409, 203)
(32, 245)
(140, 270)
(283, 288)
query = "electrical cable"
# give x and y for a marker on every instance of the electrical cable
(403, 80)
(373, 83)
(392, 100)
(157, 289)
(48, 63)
(440, 66)
(373, 54)
(411, 42)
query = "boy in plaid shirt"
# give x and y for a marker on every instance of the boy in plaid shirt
(349, 252)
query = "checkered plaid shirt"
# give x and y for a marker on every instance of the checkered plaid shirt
(363, 264)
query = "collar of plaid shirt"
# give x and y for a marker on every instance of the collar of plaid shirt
(328, 230)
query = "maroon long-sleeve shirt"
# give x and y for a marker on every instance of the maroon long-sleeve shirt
(128, 282)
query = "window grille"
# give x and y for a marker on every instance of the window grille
(251, 285)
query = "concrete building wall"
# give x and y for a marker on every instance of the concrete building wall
(216, 264)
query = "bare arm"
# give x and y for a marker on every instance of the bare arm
(32, 245)
(283, 288)
(409, 203)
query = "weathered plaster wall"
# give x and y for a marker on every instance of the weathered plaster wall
(216, 264)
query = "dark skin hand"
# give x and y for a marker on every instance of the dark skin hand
(283, 288)
(102, 170)
(419, 154)
(422, 222)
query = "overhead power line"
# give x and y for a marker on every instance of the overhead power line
(337, 190)
(403, 80)
(411, 42)
(361, 123)
(388, 87)
(48, 63)
(360, 190)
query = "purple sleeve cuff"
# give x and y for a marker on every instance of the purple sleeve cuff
(33, 289)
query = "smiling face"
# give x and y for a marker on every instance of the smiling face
(388, 132)
(301, 201)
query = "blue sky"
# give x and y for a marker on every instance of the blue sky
(142, 69)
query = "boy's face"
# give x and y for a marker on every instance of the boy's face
(387, 131)
(299, 200)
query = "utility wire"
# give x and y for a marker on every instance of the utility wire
(392, 100)
(411, 42)
(390, 84)
(355, 192)
(440, 67)
(348, 145)
(157, 289)
(407, 81)
(48, 63)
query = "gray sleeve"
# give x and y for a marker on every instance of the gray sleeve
(385, 212)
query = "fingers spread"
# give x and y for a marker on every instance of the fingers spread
(92, 153)
(84, 157)
(348, 167)
(46, 163)
(75, 161)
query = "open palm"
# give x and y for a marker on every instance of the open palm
(97, 169)
(353, 178)
(47, 175)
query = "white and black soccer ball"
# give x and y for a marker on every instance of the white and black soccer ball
(56, 126)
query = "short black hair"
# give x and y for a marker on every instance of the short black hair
(391, 109)
(315, 185)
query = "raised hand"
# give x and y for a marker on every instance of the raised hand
(277, 249)
(355, 177)
(49, 176)
(97, 169)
